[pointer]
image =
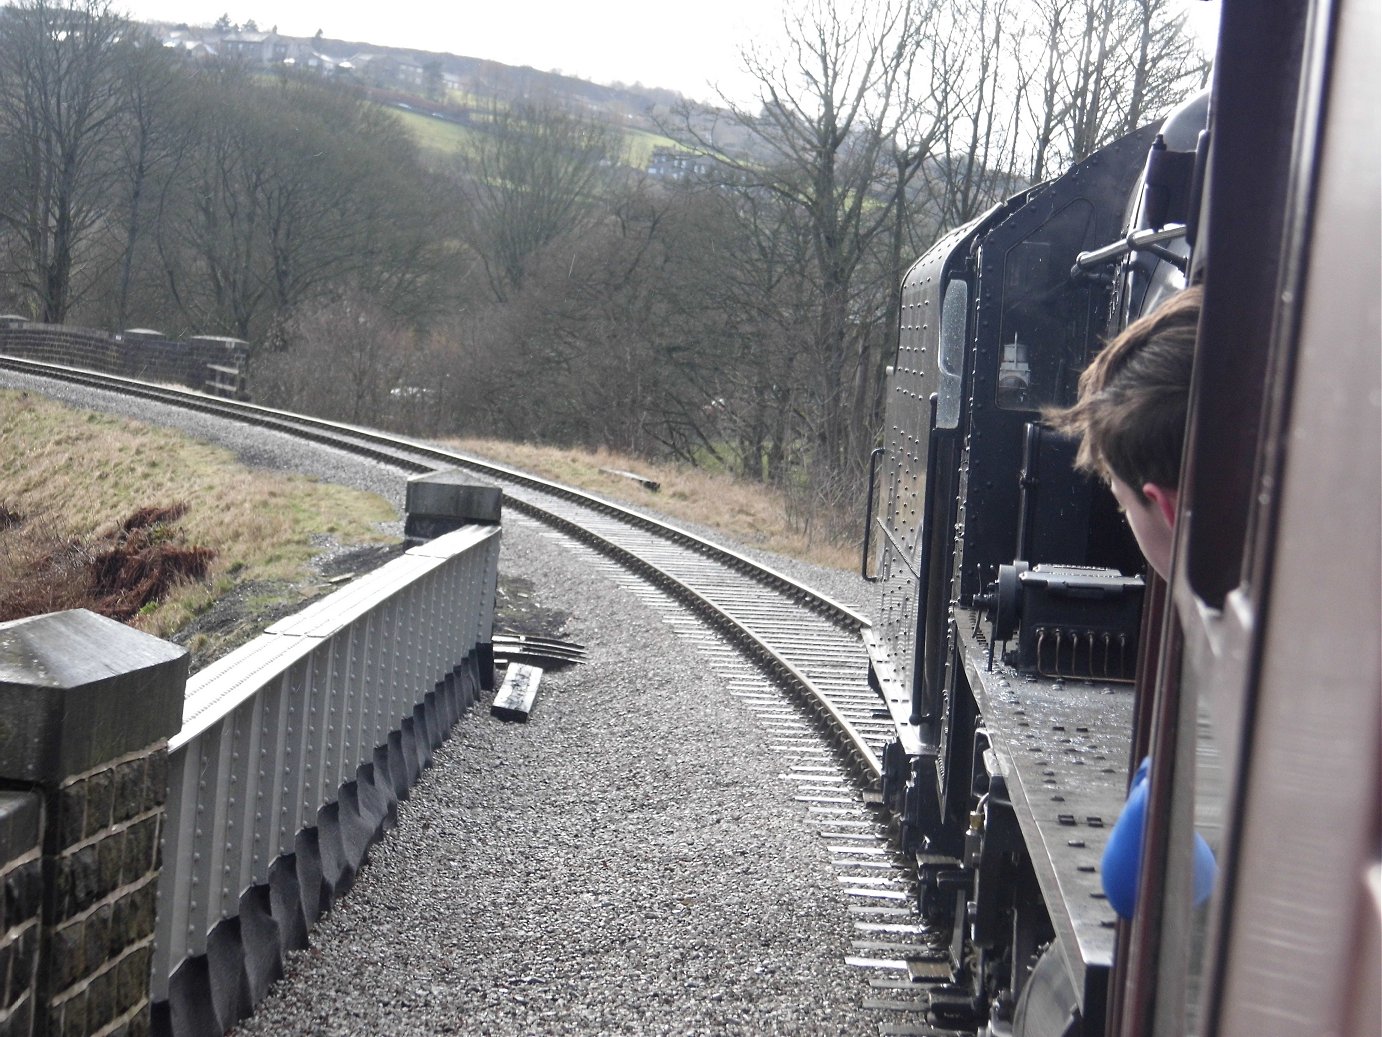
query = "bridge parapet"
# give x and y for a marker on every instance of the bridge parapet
(88, 705)
(213, 363)
(264, 779)
(293, 754)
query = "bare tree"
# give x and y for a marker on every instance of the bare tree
(148, 145)
(536, 174)
(59, 104)
(289, 190)
(1092, 70)
(828, 148)
(369, 354)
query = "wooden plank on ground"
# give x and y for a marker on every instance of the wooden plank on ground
(516, 694)
(647, 483)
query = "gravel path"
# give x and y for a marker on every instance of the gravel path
(628, 861)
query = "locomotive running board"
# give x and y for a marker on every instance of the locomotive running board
(1059, 745)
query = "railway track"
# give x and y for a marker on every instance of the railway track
(794, 657)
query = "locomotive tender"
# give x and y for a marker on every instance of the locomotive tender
(1028, 658)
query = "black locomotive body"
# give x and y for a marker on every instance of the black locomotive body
(1010, 608)
(1028, 660)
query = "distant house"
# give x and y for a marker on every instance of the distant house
(675, 164)
(194, 49)
(190, 43)
(388, 70)
(316, 62)
(261, 49)
(256, 48)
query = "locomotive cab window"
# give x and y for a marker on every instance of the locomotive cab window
(950, 356)
(1045, 325)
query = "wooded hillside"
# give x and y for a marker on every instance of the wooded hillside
(738, 310)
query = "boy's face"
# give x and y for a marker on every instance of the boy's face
(1152, 520)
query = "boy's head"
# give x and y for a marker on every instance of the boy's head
(1130, 418)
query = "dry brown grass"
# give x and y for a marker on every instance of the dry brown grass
(749, 512)
(68, 475)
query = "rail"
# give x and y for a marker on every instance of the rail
(418, 456)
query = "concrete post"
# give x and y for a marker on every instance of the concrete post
(86, 708)
(439, 502)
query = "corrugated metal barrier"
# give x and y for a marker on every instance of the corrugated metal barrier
(293, 754)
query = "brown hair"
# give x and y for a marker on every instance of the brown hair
(1130, 415)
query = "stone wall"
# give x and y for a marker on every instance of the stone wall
(132, 354)
(21, 878)
(105, 886)
(86, 708)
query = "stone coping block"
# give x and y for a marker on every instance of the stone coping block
(451, 494)
(78, 690)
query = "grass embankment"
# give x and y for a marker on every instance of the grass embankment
(751, 513)
(180, 539)
(71, 481)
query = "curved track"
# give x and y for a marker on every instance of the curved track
(763, 633)
(812, 644)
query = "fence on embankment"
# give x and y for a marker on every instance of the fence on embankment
(265, 778)
(213, 363)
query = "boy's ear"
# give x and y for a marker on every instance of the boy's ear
(1164, 498)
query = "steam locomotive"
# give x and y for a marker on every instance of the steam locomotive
(1029, 660)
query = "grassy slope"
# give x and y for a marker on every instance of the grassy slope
(446, 138)
(72, 474)
(435, 135)
(748, 512)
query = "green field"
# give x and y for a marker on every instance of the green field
(435, 135)
(441, 137)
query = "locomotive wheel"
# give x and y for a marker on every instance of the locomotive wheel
(1047, 1006)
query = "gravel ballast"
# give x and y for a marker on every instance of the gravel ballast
(628, 861)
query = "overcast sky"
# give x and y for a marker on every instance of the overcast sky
(681, 45)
